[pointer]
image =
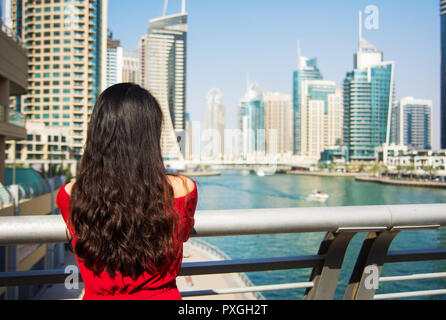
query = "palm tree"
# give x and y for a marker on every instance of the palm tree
(431, 170)
(399, 168)
(411, 168)
(375, 169)
(55, 170)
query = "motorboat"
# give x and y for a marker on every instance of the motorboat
(317, 195)
(265, 171)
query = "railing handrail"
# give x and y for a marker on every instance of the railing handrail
(213, 250)
(382, 224)
(15, 230)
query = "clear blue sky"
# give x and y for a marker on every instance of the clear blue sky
(229, 38)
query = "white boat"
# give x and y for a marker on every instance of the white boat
(265, 171)
(244, 172)
(317, 195)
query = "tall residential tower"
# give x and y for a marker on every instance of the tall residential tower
(412, 123)
(115, 61)
(278, 124)
(306, 70)
(163, 67)
(368, 99)
(252, 124)
(321, 117)
(215, 124)
(66, 43)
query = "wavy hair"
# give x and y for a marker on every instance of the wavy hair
(122, 209)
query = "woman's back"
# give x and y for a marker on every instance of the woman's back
(147, 285)
(128, 219)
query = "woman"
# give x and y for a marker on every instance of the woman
(127, 218)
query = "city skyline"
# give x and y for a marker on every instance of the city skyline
(218, 56)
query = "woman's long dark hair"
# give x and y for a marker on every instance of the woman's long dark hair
(122, 208)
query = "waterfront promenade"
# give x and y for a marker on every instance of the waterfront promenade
(191, 253)
(406, 183)
(367, 178)
(323, 174)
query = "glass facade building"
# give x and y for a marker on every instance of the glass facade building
(321, 116)
(412, 123)
(252, 123)
(368, 100)
(307, 70)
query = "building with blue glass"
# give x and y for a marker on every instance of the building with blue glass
(252, 125)
(321, 114)
(307, 70)
(368, 100)
(412, 123)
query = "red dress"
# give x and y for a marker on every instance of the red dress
(147, 286)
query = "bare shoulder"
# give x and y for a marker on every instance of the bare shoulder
(69, 187)
(181, 185)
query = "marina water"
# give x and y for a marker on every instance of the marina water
(232, 190)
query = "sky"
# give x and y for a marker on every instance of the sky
(232, 40)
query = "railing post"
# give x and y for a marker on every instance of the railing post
(50, 248)
(60, 247)
(325, 277)
(13, 292)
(373, 253)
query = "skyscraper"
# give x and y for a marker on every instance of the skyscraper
(412, 123)
(278, 124)
(214, 124)
(164, 65)
(143, 61)
(6, 13)
(368, 99)
(115, 61)
(306, 70)
(189, 148)
(443, 73)
(66, 43)
(321, 116)
(130, 67)
(252, 124)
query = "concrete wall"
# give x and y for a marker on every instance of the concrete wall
(13, 64)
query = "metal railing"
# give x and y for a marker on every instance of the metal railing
(17, 118)
(381, 223)
(214, 251)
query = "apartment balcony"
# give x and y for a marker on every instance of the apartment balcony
(13, 82)
(381, 224)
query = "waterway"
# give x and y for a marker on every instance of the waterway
(233, 190)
